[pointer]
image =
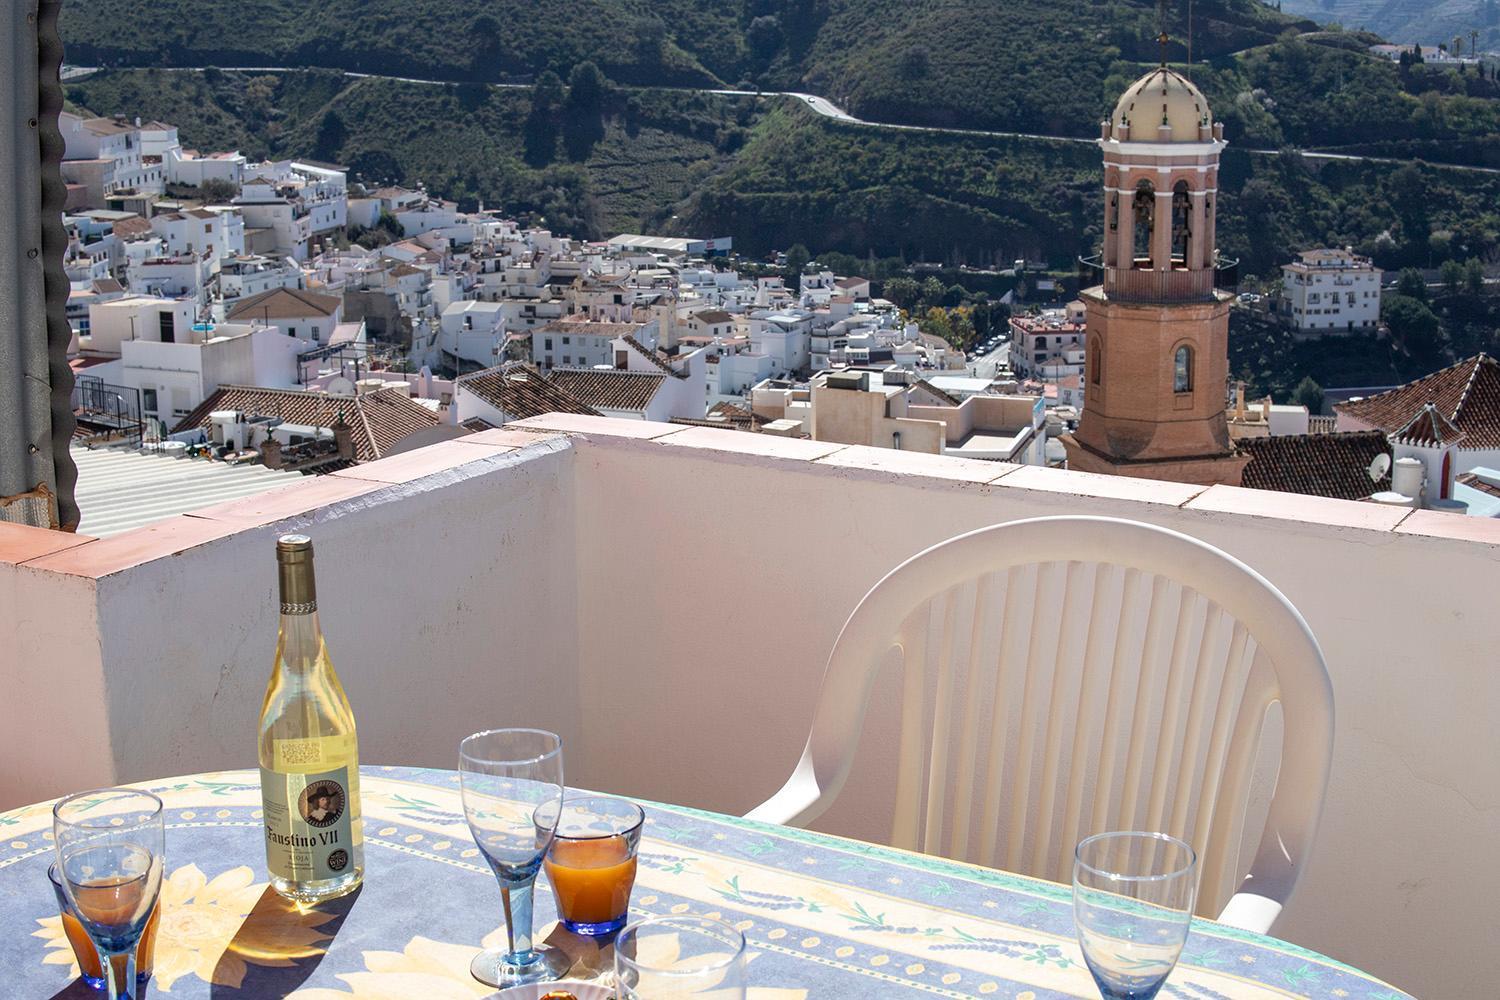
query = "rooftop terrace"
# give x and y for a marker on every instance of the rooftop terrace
(665, 597)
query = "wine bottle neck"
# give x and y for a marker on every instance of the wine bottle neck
(301, 639)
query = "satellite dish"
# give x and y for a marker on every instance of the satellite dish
(340, 386)
(1380, 466)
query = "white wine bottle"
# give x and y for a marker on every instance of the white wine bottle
(309, 755)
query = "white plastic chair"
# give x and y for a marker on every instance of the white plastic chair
(1082, 674)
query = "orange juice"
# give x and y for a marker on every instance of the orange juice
(591, 878)
(88, 955)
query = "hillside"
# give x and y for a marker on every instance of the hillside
(771, 173)
(1429, 22)
(1031, 65)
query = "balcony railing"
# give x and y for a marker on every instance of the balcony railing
(1147, 285)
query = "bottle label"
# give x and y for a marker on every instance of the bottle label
(312, 822)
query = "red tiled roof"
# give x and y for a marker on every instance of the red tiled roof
(589, 327)
(520, 392)
(1473, 481)
(285, 303)
(609, 388)
(1467, 395)
(1320, 465)
(1429, 428)
(378, 419)
(135, 226)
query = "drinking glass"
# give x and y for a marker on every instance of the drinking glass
(110, 852)
(83, 946)
(591, 863)
(507, 775)
(1133, 896)
(675, 958)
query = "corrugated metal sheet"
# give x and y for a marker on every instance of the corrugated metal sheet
(120, 489)
(36, 419)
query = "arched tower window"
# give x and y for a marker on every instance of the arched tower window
(1182, 369)
(1096, 362)
(1145, 211)
(1182, 222)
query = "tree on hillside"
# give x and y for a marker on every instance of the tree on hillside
(916, 63)
(215, 191)
(797, 257)
(935, 322)
(932, 290)
(1474, 276)
(1453, 276)
(1412, 284)
(331, 135)
(1309, 394)
(1414, 326)
(903, 291)
(764, 37)
(586, 86)
(547, 93)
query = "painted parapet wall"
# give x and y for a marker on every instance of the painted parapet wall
(446, 582)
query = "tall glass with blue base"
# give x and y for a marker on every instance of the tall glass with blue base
(111, 846)
(1133, 898)
(507, 776)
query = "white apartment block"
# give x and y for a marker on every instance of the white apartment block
(576, 343)
(1330, 291)
(187, 166)
(174, 377)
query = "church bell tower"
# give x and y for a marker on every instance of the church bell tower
(1157, 338)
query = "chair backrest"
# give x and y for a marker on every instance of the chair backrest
(1063, 676)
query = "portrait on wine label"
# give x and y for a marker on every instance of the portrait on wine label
(321, 803)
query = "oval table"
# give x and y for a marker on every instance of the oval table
(824, 917)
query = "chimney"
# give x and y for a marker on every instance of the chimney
(343, 435)
(1239, 401)
(270, 453)
(1265, 409)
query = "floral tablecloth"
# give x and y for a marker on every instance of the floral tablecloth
(824, 917)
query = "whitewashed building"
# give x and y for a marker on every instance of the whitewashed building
(1330, 291)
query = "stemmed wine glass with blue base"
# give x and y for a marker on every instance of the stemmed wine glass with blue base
(111, 847)
(507, 776)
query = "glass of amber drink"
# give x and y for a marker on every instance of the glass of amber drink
(591, 863)
(88, 956)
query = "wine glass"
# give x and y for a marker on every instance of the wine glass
(1133, 896)
(110, 850)
(677, 958)
(507, 775)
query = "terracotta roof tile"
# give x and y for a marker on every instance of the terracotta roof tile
(378, 419)
(609, 388)
(521, 392)
(1320, 465)
(285, 303)
(1467, 395)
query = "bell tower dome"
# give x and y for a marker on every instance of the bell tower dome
(1157, 336)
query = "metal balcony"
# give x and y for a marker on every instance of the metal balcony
(1147, 285)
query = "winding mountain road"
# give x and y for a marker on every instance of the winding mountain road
(816, 103)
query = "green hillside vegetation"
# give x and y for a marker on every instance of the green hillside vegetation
(1011, 65)
(771, 173)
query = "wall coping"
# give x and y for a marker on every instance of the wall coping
(476, 454)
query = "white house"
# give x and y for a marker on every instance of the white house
(473, 331)
(638, 385)
(138, 317)
(582, 343)
(1330, 291)
(175, 377)
(188, 167)
(300, 313)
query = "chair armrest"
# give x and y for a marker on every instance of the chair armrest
(1250, 912)
(799, 801)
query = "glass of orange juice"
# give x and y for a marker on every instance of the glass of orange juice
(88, 955)
(591, 863)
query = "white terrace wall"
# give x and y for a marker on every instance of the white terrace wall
(447, 601)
